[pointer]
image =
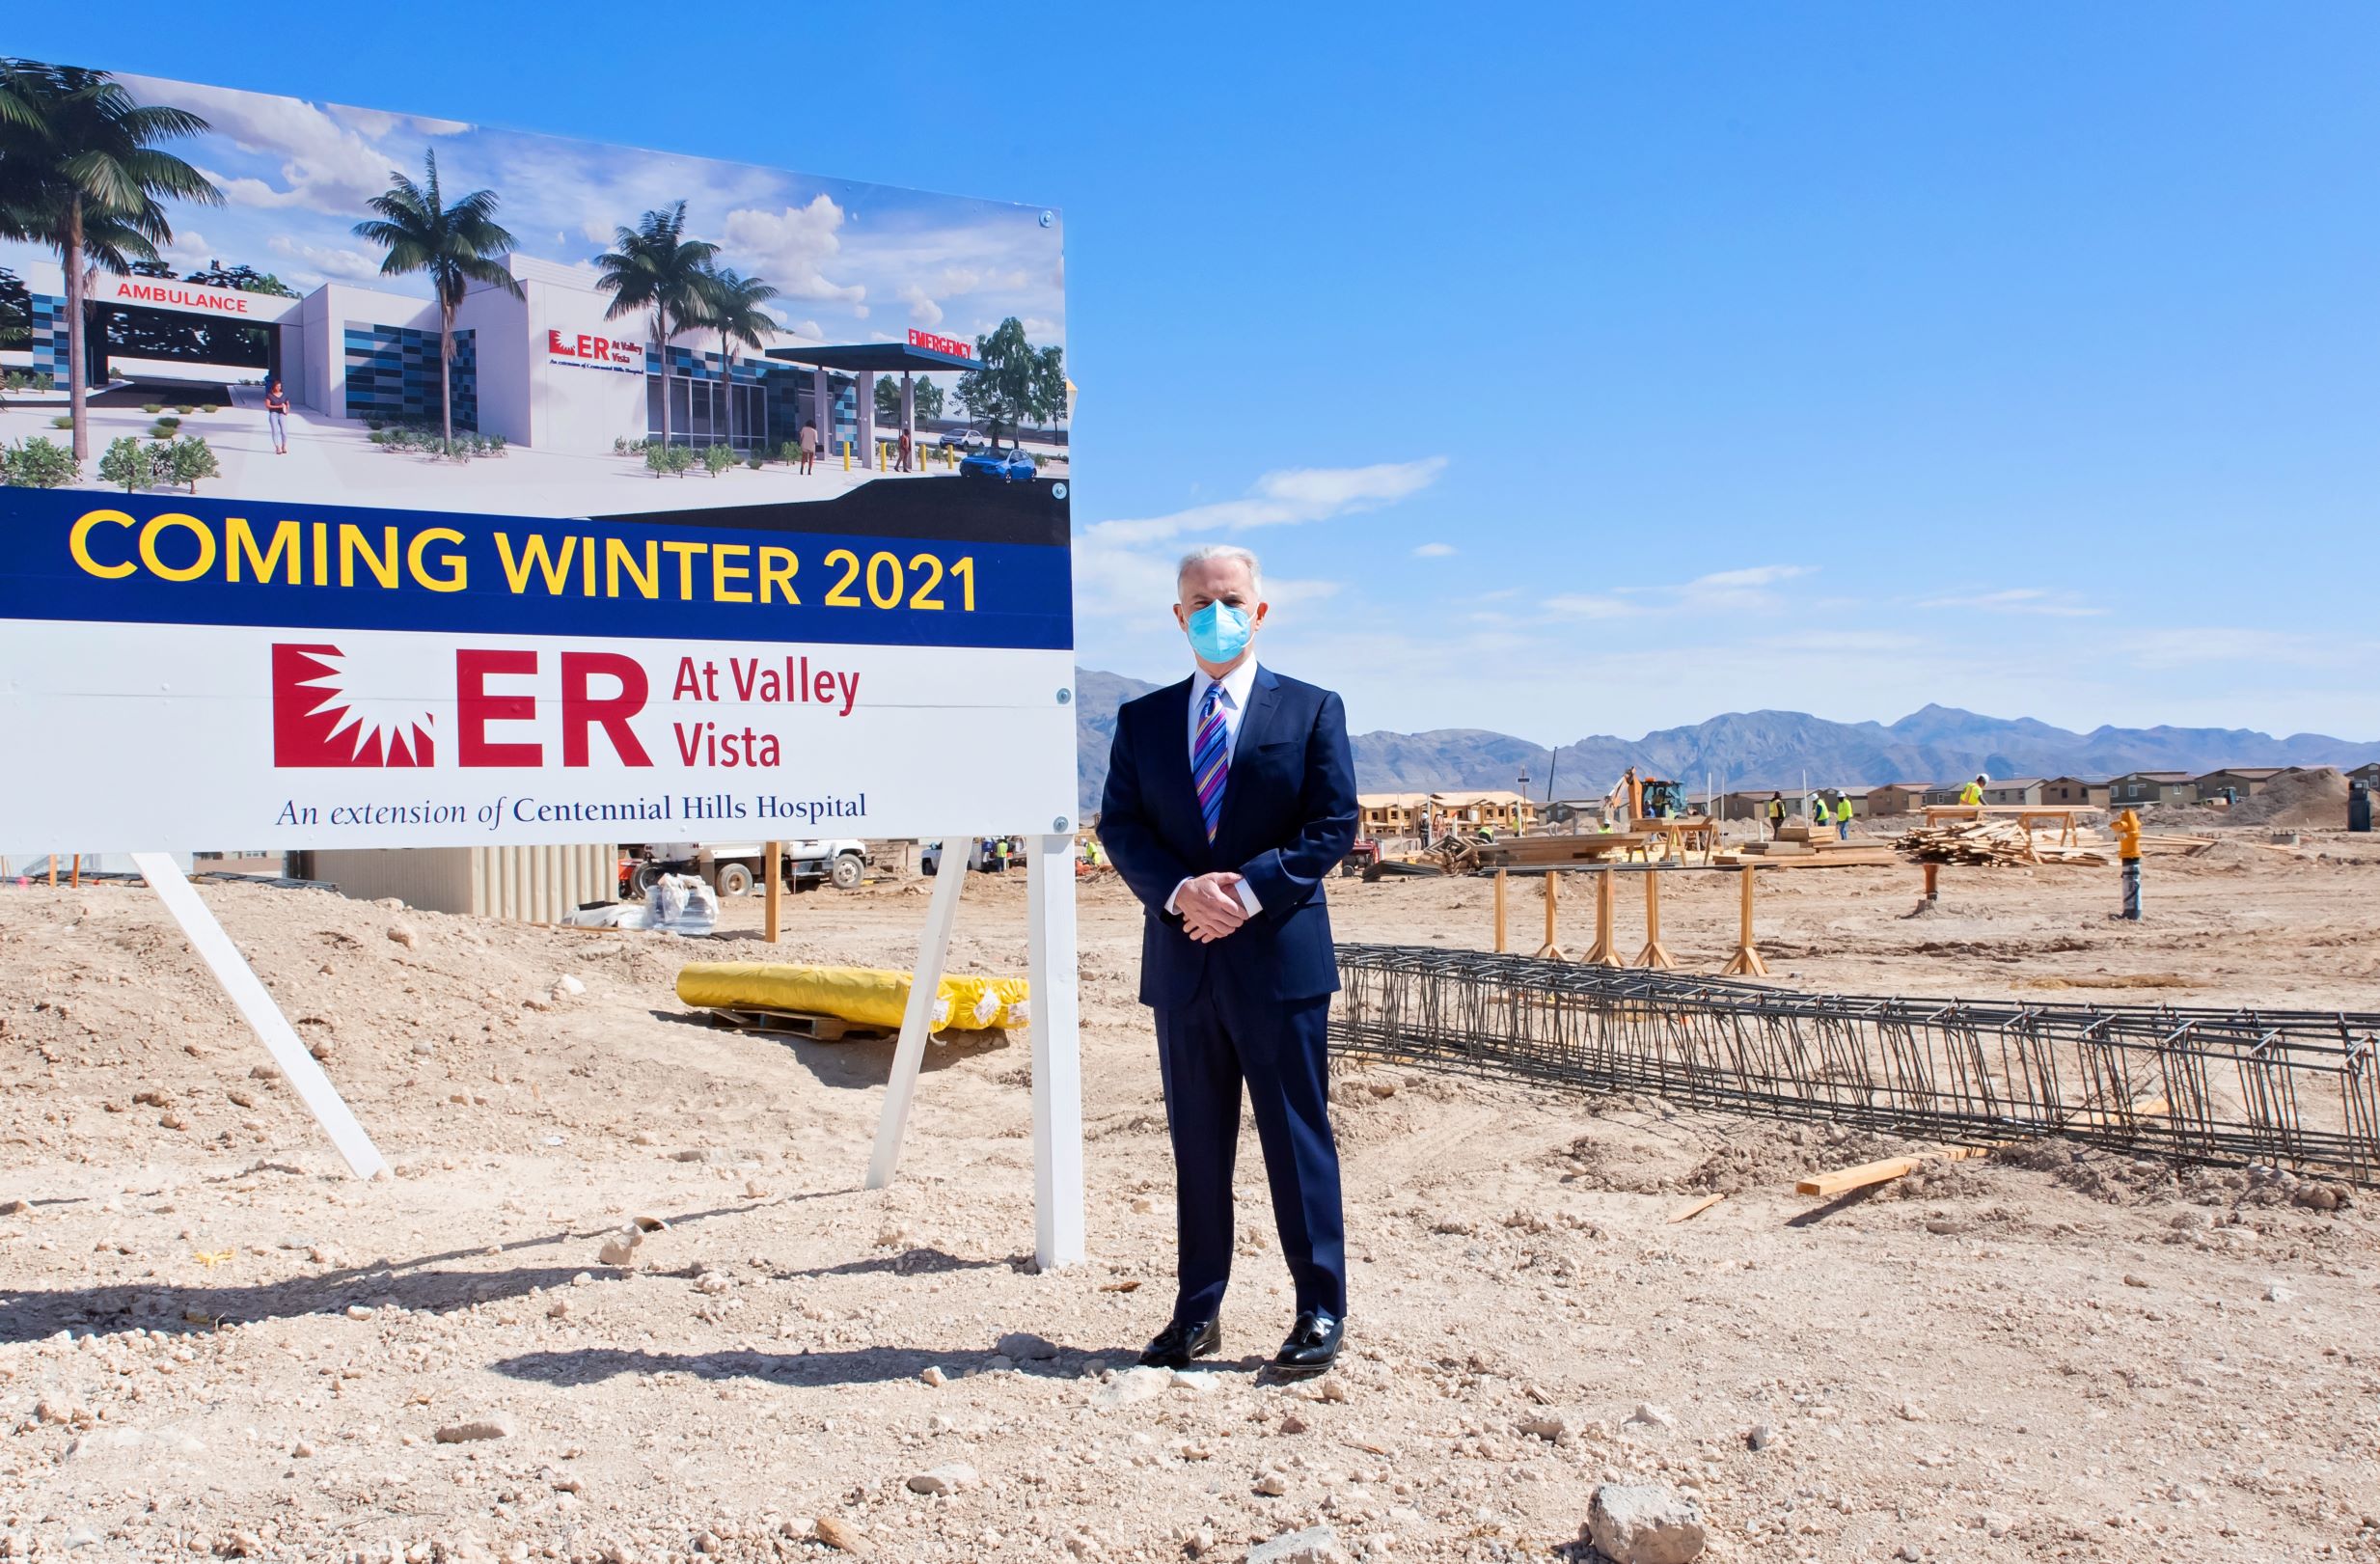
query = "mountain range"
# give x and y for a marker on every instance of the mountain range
(1762, 749)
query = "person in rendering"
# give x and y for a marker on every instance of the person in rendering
(1973, 792)
(904, 451)
(810, 445)
(277, 416)
(1230, 798)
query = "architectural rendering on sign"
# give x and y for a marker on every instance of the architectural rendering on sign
(429, 294)
(417, 485)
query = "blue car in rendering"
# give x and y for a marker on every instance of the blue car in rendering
(1010, 466)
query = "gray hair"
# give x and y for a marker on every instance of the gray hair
(1221, 551)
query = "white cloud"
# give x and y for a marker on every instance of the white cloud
(791, 248)
(1298, 494)
(324, 166)
(1434, 550)
(2241, 648)
(187, 250)
(351, 265)
(806, 329)
(1722, 589)
(2064, 605)
(1758, 575)
(1590, 606)
(1118, 570)
(922, 311)
(378, 124)
(1745, 588)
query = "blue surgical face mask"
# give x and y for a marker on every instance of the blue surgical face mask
(1219, 632)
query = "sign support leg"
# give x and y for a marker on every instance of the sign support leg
(917, 1016)
(1057, 1058)
(258, 1007)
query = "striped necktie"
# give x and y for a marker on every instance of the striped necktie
(1211, 758)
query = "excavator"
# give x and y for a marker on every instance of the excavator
(1647, 798)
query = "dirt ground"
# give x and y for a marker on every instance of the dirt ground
(214, 1342)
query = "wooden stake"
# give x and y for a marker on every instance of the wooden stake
(1499, 911)
(1604, 954)
(1696, 1209)
(1878, 1173)
(53, 871)
(1549, 950)
(1746, 962)
(771, 867)
(78, 871)
(1654, 955)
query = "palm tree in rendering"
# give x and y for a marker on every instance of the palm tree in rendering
(457, 244)
(81, 172)
(655, 267)
(729, 304)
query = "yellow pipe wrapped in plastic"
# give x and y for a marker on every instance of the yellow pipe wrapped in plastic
(861, 995)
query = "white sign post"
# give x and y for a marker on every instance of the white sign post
(256, 1005)
(1055, 1030)
(1058, 1057)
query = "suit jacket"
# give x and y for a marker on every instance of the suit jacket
(1289, 817)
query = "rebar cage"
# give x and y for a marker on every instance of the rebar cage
(2298, 1089)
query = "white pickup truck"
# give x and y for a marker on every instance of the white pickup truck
(733, 869)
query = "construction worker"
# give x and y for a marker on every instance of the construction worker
(1776, 818)
(1973, 792)
(1843, 817)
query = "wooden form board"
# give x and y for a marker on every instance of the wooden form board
(1843, 1180)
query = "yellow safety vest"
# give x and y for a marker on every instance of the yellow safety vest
(1972, 793)
(1843, 810)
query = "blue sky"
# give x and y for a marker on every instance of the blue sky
(1596, 369)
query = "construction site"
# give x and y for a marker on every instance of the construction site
(1985, 1223)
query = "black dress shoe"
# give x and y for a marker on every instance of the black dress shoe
(1183, 1340)
(1312, 1347)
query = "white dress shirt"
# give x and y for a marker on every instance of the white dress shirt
(1235, 686)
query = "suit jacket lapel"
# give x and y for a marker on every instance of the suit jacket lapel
(1262, 696)
(1179, 784)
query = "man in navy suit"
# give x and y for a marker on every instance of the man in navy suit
(1230, 797)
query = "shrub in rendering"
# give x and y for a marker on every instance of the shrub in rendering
(189, 460)
(127, 461)
(37, 464)
(717, 459)
(64, 420)
(152, 408)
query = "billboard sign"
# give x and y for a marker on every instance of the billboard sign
(449, 587)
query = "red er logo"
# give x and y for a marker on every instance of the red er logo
(373, 706)
(332, 709)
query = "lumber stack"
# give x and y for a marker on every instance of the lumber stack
(1989, 843)
(1806, 847)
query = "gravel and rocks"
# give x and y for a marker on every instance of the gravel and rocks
(761, 1377)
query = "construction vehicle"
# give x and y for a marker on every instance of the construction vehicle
(733, 869)
(1647, 798)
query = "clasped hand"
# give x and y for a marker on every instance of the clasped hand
(1209, 906)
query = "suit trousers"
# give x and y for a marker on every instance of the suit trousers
(1205, 1050)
